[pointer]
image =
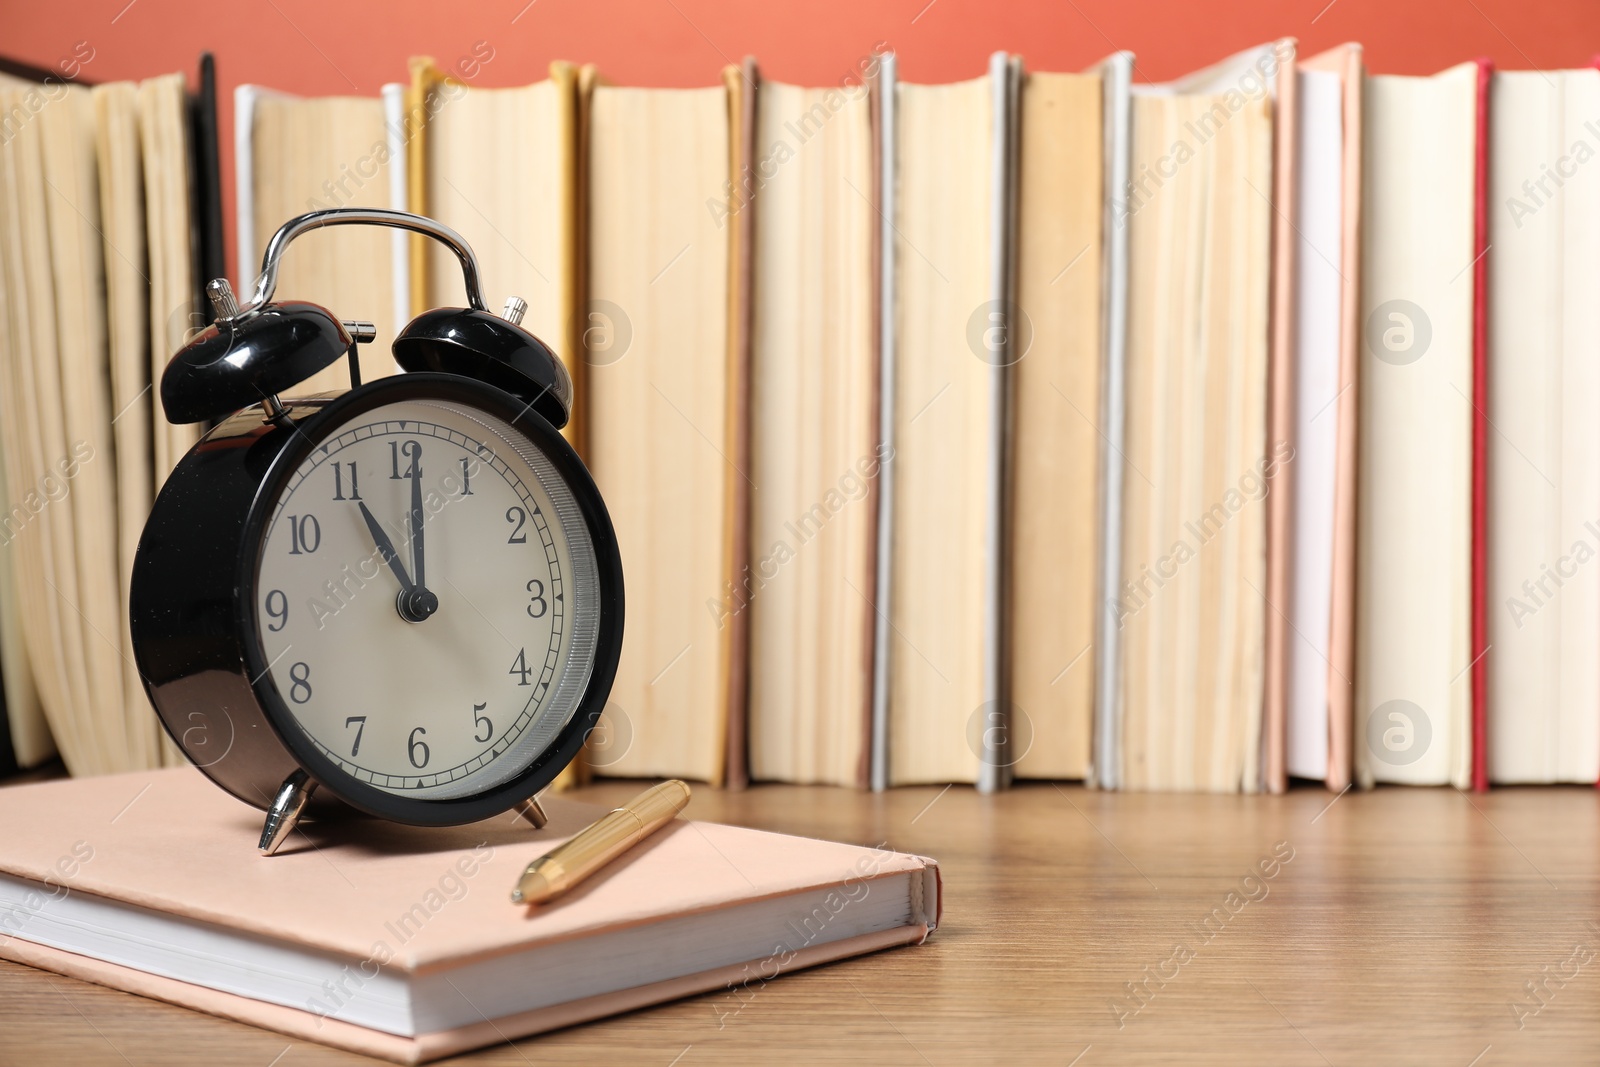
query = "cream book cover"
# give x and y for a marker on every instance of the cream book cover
(1056, 422)
(814, 462)
(1191, 607)
(662, 432)
(953, 168)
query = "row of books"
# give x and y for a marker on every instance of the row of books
(1052, 425)
(109, 220)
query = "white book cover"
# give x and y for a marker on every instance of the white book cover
(248, 245)
(1412, 721)
(1544, 456)
(394, 121)
(1319, 229)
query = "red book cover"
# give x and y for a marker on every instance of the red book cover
(1480, 440)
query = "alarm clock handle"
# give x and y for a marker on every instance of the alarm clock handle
(267, 282)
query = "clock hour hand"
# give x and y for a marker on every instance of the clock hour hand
(413, 603)
(386, 550)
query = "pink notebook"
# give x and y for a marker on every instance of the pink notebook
(402, 943)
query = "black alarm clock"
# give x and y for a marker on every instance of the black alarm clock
(404, 599)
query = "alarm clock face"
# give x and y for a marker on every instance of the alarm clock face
(426, 599)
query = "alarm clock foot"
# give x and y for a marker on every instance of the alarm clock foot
(285, 811)
(532, 811)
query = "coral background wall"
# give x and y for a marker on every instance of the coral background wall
(324, 47)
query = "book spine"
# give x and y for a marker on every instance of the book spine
(244, 201)
(1107, 761)
(994, 770)
(744, 86)
(1480, 439)
(887, 134)
(211, 256)
(1341, 619)
(1281, 386)
(394, 121)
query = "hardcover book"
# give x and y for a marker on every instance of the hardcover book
(402, 943)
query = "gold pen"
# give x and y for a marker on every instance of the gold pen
(600, 842)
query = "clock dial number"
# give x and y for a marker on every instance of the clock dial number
(414, 745)
(360, 723)
(278, 608)
(518, 518)
(412, 451)
(466, 477)
(537, 605)
(305, 534)
(340, 478)
(519, 666)
(482, 722)
(300, 682)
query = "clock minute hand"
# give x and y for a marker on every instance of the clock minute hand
(417, 563)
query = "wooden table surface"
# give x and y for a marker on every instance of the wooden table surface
(1398, 926)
